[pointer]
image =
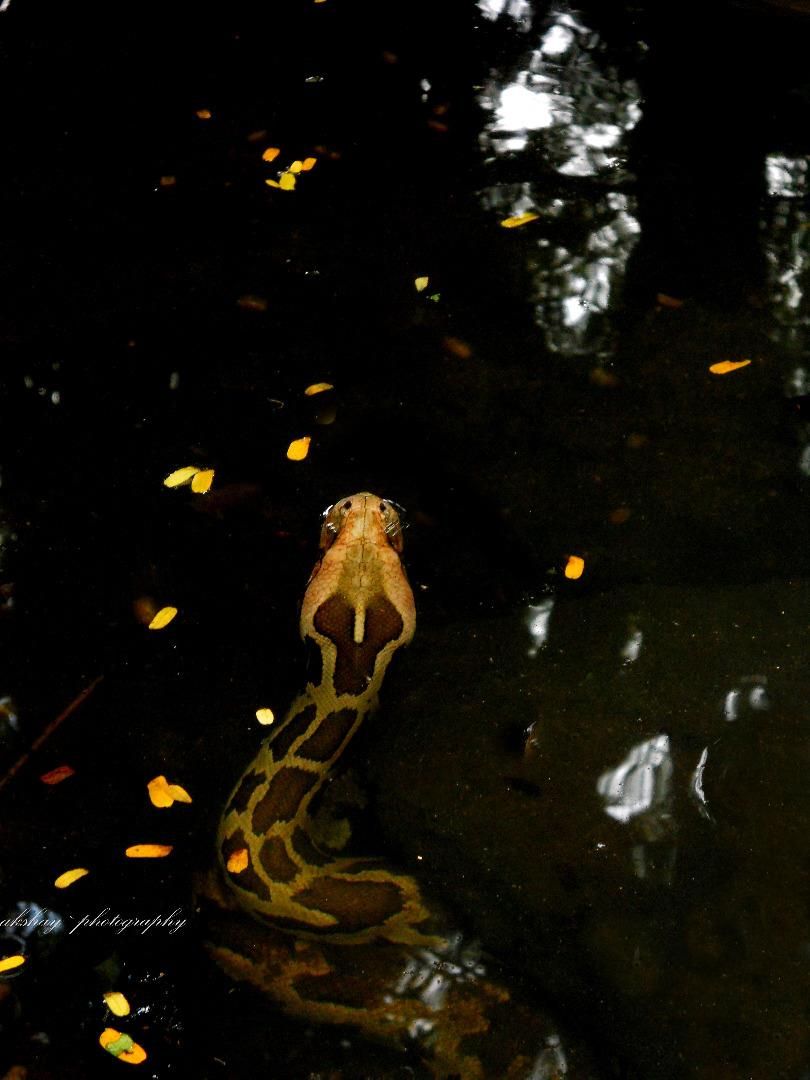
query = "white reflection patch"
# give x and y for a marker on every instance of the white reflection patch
(537, 620)
(696, 785)
(641, 783)
(632, 647)
(786, 177)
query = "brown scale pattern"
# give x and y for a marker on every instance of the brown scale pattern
(276, 862)
(355, 904)
(287, 735)
(354, 664)
(283, 797)
(328, 736)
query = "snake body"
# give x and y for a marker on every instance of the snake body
(344, 939)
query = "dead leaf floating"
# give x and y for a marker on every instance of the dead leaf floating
(299, 448)
(201, 482)
(57, 775)
(122, 1046)
(116, 1003)
(271, 153)
(148, 851)
(518, 220)
(421, 283)
(163, 618)
(725, 366)
(574, 567)
(180, 476)
(318, 388)
(237, 860)
(8, 963)
(265, 716)
(70, 876)
(163, 794)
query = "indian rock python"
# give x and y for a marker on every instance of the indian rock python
(351, 940)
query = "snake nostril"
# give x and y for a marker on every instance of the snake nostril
(347, 505)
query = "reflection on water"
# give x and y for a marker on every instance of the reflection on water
(565, 110)
(641, 787)
(538, 617)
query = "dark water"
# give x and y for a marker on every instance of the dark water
(640, 864)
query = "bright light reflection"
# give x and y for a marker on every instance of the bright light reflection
(642, 782)
(537, 623)
(632, 647)
(696, 785)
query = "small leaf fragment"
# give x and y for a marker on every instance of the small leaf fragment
(668, 301)
(265, 716)
(318, 388)
(272, 183)
(180, 476)
(122, 1046)
(8, 963)
(725, 366)
(116, 1003)
(163, 618)
(250, 302)
(70, 876)
(57, 775)
(202, 481)
(237, 860)
(163, 794)
(286, 181)
(574, 567)
(421, 283)
(148, 851)
(296, 166)
(299, 448)
(271, 153)
(518, 220)
(204, 114)
(308, 163)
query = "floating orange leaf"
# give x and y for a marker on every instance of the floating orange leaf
(180, 476)
(116, 1003)
(167, 181)
(456, 347)
(204, 114)
(148, 851)
(620, 515)
(725, 366)
(296, 166)
(57, 775)
(122, 1046)
(286, 181)
(163, 618)
(574, 567)
(421, 283)
(299, 448)
(308, 163)
(519, 219)
(272, 183)
(202, 481)
(163, 794)
(8, 963)
(265, 716)
(318, 388)
(237, 860)
(271, 153)
(668, 301)
(70, 876)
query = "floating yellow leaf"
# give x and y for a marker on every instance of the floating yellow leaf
(163, 618)
(238, 860)
(271, 153)
(163, 794)
(299, 448)
(421, 283)
(57, 775)
(272, 183)
(574, 567)
(308, 163)
(318, 388)
(70, 876)
(8, 963)
(519, 219)
(121, 1046)
(202, 481)
(296, 166)
(204, 114)
(180, 476)
(116, 1003)
(148, 851)
(265, 716)
(725, 366)
(286, 181)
